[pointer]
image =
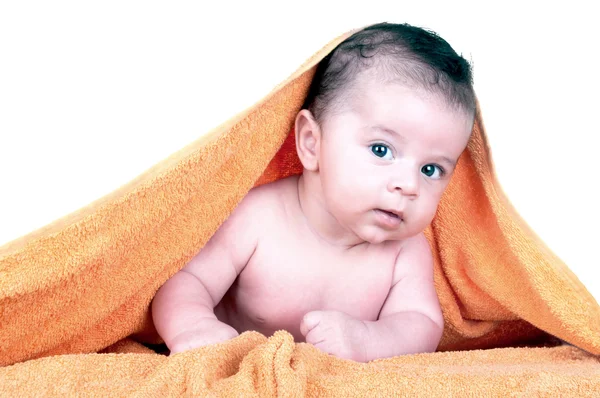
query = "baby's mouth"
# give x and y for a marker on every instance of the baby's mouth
(393, 214)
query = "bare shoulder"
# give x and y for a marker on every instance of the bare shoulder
(261, 197)
(414, 258)
(270, 198)
(236, 239)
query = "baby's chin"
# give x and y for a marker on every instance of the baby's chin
(375, 236)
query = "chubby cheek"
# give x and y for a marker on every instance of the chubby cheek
(425, 212)
(346, 179)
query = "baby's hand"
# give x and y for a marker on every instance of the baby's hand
(207, 332)
(335, 333)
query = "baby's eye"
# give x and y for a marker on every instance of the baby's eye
(430, 171)
(382, 151)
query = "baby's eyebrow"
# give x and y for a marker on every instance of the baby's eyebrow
(387, 130)
(447, 160)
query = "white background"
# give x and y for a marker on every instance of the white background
(93, 94)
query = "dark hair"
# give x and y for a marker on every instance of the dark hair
(416, 56)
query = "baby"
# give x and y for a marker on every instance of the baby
(337, 256)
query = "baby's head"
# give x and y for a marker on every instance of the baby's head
(388, 114)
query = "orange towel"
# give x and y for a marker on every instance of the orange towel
(83, 285)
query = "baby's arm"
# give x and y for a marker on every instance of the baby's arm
(411, 320)
(183, 308)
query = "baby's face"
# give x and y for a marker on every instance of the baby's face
(385, 161)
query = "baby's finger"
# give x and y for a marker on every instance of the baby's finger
(324, 346)
(315, 336)
(309, 322)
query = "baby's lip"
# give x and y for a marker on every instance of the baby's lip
(397, 213)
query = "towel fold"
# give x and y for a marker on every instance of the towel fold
(253, 366)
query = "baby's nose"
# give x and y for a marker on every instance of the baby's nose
(407, 184)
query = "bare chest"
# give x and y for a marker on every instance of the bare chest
(281, 284)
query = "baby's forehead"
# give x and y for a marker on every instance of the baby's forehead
(363, 85)
(370, 93)
(377, 107)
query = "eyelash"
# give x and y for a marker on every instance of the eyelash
(379, 143)
(442, 170)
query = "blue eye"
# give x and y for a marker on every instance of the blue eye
(430, 171)
(382, 151)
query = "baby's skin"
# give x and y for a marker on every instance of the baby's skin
(336, 256)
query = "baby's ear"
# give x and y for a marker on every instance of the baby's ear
(308, 140)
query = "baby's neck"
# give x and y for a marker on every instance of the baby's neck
(319, 220)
